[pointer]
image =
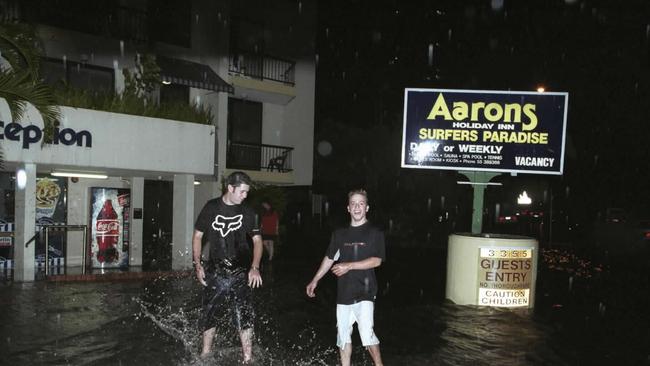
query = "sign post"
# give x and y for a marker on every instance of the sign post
(478, 180)
(481, 134)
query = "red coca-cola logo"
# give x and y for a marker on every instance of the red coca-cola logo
(108, 226)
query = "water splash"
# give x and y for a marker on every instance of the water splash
(273, 344)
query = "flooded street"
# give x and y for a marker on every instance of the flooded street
(586, 313)
(141, 136)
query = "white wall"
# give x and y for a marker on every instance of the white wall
(133, 146)
(120, 141)
(299, 126)
(273, 125)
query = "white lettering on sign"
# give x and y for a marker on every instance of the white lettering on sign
(480, 149)
(530, 161)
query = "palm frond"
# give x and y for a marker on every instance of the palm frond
(17, 92)
(20, 47)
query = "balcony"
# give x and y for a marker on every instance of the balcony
(265, 163)
(270, 158)
(262, 67)
(262, 77)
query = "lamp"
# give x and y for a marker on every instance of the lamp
(524, 199)
(79, 175)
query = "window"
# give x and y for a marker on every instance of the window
(244, 134)
(77, 75)
(170, 21)
(174, 94)
(106, 18)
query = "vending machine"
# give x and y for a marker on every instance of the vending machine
(109, 227)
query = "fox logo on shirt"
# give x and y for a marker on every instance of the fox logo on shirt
(224, 225)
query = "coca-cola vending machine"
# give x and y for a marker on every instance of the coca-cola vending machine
(109, 223)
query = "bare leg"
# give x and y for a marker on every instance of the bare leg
(208, 336)
(375, 354)
(268, 244)
(246, 337)
(346, 354)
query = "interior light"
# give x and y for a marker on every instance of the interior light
(166, 82)
(196, 183)
(21, 178)
(79, 175)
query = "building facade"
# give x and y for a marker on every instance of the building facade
(250, 64)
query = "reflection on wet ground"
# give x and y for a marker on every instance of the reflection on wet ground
(586, 313)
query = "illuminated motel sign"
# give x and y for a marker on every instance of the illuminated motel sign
(484, 130)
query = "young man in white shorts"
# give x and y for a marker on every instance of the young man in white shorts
(358, 249)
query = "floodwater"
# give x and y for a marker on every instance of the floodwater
(586, 313)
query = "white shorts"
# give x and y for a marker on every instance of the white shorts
(361, 313)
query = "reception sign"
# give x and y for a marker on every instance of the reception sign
(481, 130)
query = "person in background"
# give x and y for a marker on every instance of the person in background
(358, 249)
(270, 227)
(225, 264)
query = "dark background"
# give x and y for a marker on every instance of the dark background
(597, 51)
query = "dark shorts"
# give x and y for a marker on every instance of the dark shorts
(227, 295)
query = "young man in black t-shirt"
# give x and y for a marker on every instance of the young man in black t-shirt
(358, 249)
(225, 264)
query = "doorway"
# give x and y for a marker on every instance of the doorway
(157, 225)
(244, 134)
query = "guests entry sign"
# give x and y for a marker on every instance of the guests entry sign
(505, 276)
(483, 130)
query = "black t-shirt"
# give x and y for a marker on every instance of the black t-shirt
(356, 243)
(225, 228)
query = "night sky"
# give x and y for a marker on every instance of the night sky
(597, 51)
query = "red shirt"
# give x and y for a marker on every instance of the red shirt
(270, 223)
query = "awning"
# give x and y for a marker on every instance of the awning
(191, 74)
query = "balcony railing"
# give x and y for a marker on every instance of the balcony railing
(262, 67)
(247, 156)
